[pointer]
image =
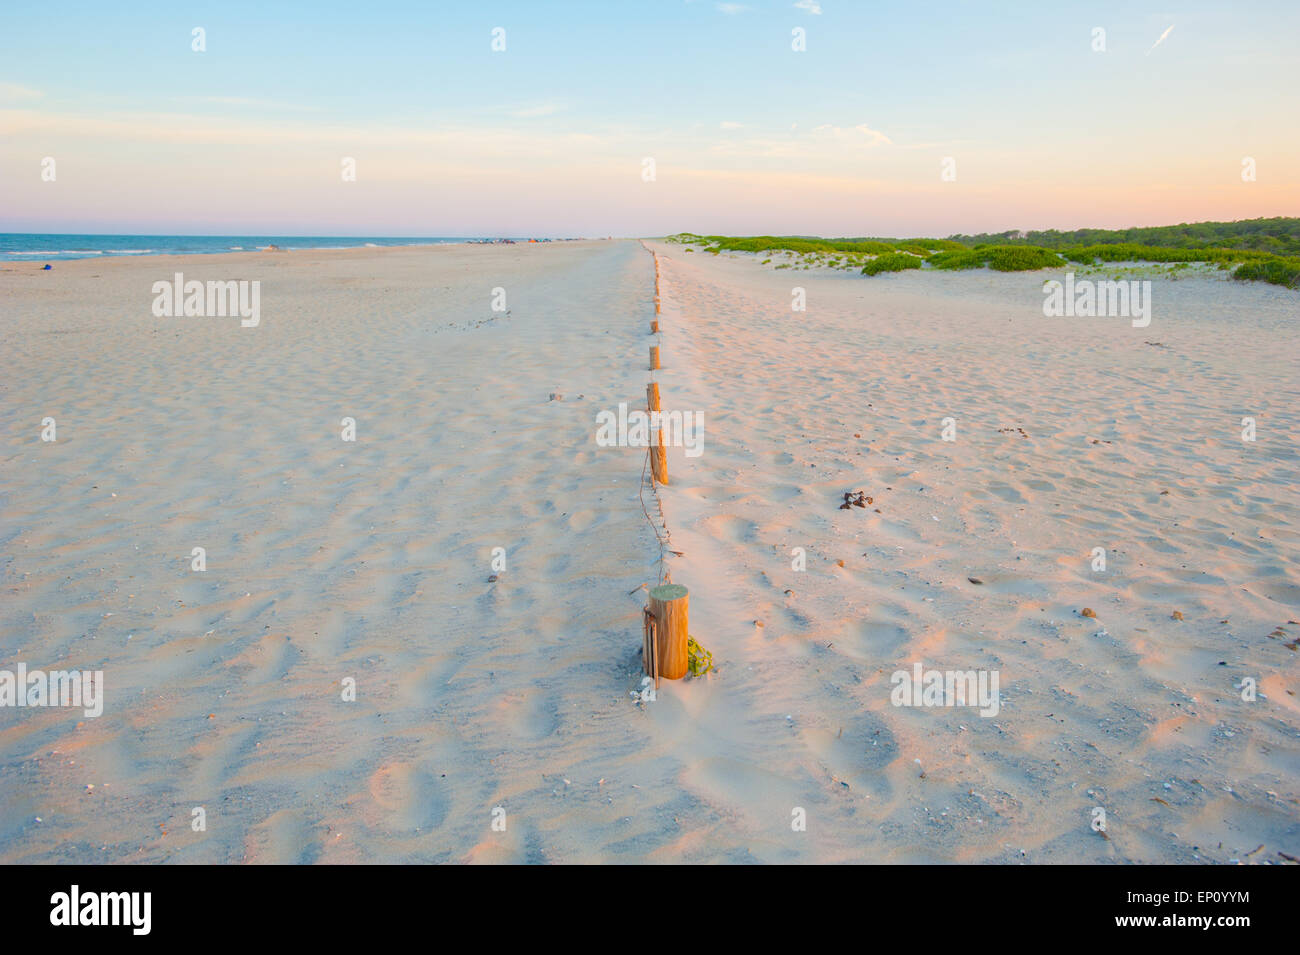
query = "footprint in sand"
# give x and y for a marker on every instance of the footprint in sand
(409, 796)
(731, 528)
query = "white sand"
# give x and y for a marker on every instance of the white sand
(329, 560)
(325, 559)
(1133, 711)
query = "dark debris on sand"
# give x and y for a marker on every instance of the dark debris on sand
(855, 499)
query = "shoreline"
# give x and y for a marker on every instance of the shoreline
(73, 255)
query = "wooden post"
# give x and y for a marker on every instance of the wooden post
(659, 459)
(658, 456)
(668, 605)
(654, 357)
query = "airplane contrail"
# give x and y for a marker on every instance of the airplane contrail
(1162, 38)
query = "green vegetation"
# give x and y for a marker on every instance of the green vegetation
(1128, 252)
(1010, 258)
(813, 245)
(958, 259)
(1002, 258)
(1278, 271)
(892, 262)
(1266, 250)
(1276, 236)
(802, 246)
(698, 660)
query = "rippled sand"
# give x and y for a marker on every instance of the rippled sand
(1070, 434)
(369, 561)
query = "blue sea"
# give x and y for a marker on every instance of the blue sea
(29, 246)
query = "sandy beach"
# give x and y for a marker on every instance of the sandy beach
(1071, 434)
(329, 561)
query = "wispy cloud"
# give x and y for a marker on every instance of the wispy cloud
(732, 8)
(498, 144)
(821, 149)
(12, 91)
(1162, 38)
(411, 150)
(860, 132)
(250, 102)
(809, 6)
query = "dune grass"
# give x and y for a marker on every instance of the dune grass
(1128, 252)
(1000, 258)
(1266, 250)
(1278, 271)
(892, 262)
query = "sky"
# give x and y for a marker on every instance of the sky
(1034, 125)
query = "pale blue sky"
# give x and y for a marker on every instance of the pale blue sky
(549, 136)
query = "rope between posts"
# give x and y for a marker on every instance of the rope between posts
(664, 539)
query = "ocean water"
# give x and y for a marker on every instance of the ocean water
(28, 246)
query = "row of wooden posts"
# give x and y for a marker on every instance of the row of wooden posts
(663, 648)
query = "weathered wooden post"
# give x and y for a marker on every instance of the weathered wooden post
(649, 639)
(654, 357)
(669, 607)
(658, 456)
